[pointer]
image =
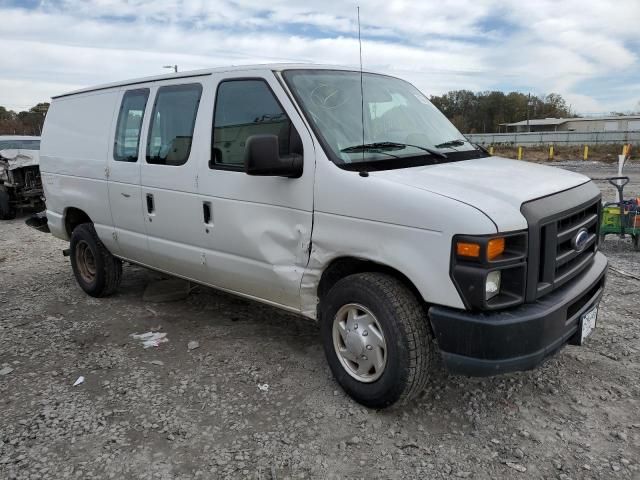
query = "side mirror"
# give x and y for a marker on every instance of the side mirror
(262, 157)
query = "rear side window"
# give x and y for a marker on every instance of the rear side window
(244, 108)
(127, 141)
(172, 122)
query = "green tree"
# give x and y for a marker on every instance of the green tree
(27, 122)
(484, 111)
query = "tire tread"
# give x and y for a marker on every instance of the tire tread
(413, 320)
(410, 316)
(7, 211)
(111, 267)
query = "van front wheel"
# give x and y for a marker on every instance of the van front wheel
(377, 339)
(97, 271)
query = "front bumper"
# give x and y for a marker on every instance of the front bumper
(520, 338)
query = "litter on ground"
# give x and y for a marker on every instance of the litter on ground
(78, 381)
(151, 339)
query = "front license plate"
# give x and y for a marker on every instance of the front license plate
(588, 323)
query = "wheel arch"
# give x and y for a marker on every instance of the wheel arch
(73, 217)
(342, 267)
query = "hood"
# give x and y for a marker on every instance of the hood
(20, 158)
(495, 185)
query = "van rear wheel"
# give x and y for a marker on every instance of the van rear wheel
(377, 339)
(97, 271)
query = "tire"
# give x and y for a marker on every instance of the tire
(97, 271)
(636, 242)
(7, 211)
(408, 340)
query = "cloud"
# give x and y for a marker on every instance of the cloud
(540, 46)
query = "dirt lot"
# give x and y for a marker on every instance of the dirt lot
(170, 412)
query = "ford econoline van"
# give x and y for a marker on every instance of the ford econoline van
(340, 195)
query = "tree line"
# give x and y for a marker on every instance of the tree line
(470, 112)
(27, 122)
(484, 111)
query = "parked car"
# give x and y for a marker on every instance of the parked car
(19, 142)
(371, 214)
(20, 182)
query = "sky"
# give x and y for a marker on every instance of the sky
(586, 50)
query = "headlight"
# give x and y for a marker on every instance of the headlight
(492, 285)
(489, 271)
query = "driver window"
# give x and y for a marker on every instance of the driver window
(244, 108)
(173, 120)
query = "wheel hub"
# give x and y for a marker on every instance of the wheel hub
(356, 342)
(359, 342)
(85, 261)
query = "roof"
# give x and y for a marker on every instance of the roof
(559, 121)
(211, 71)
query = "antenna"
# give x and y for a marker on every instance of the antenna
(361, 86)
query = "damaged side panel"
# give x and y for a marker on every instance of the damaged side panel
(401, 248)
(256, 233)
(257, 249)
(409, 230)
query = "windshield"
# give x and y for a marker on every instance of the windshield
(19, 144)
(401, 126)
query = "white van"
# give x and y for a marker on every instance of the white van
(345, 198)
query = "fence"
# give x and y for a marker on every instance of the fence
(556, 138)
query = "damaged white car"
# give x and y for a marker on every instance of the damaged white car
(343, 196)
(20, 183)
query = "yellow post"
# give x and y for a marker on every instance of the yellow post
(585, 156)
(551, 152)
(519, 153)
(491, 150)
(624, 150)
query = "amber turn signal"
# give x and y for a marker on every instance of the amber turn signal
(495, 248)
(466, 249)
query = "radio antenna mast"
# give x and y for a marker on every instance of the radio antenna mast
(361, 86)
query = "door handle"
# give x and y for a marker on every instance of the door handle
(206, 212)
(150, 206)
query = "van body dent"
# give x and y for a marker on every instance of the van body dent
(362, 208)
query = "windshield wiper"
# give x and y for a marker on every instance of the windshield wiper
(374, 146)
(367, 147)
(451, 143)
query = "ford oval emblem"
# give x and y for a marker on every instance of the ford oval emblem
(580, 240)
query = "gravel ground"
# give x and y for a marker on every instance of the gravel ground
(205, 412)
